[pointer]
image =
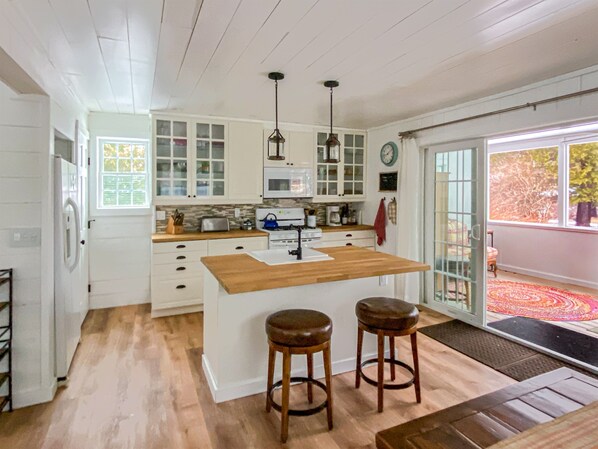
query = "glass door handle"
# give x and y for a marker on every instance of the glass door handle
(475, 232)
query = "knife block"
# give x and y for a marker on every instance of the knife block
(171, 228)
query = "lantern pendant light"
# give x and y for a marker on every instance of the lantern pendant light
(276, 141)
(332, 153)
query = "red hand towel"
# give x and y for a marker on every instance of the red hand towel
(380, 223)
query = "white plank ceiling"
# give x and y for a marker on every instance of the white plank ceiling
(394, 58)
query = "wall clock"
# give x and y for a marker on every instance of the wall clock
(389, 153)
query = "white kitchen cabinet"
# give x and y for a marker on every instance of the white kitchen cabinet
(298, 149)
(365, 239)
(177, 271)
(345, 180)
(245, 163)
(177, 277)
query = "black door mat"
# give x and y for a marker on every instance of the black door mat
(573, 344)
(512, 359)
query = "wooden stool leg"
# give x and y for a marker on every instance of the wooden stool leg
(418, 395)
(271, 361)
(380, 371)
(328, 373)
(391, 341)
(358, 363)
(310, 375)
(286, 386)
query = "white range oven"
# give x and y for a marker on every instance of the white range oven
(288, 182)
(285, 235)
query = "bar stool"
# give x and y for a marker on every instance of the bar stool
(393, 318)
(298, 331)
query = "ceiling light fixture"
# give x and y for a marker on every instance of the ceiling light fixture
(276, 141)
(333, 146)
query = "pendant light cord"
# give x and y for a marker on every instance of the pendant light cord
(276, 102)
(331, 110)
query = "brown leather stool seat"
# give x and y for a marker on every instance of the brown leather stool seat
(298, 327)
(387, 317)
(298, 332)
(387, 313)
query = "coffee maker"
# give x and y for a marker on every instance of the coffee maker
(333, 216)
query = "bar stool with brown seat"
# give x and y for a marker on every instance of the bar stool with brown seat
(298, 331)
(387, 317)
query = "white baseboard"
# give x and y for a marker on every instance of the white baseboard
(258, 385)
(548, 276)
(34, 396)
(104, 301)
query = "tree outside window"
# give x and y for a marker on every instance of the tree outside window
(123, 174)
(583, 184)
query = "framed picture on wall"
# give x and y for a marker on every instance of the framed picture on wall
(388, 181)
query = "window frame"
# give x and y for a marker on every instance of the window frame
(99, 206)
(563, 142)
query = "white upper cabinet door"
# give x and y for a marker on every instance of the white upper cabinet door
(302, 149)
(245, 163)
(171, 159)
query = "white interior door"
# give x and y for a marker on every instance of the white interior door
(455, 230)
(83, 201)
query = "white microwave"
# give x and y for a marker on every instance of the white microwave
(288, 182)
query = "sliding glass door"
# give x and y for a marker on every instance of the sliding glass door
(455, 230)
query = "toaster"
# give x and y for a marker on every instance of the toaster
(211, 224)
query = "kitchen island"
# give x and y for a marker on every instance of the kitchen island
(240, 292)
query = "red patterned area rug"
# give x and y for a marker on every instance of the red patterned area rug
(539, 301)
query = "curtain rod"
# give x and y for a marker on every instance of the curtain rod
(533, 104)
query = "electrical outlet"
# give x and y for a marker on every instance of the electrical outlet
(161, 215)
(237, 212)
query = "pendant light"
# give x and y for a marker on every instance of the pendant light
(333, 146)
(276, 141)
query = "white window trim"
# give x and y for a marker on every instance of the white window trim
(562, 142)
(120, 211)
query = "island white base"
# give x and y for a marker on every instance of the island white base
(235, 344)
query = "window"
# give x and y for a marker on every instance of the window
(123, 174)
(549, 181)
(524, 185)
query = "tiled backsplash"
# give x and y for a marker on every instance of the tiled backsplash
(194, 213)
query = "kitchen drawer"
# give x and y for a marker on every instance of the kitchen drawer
(178, 258)
(165, 291)
(178, 270)
(366, 243)
(236, 246)
(331, 236)
(180, 247)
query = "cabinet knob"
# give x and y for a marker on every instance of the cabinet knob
(188, 196)
(181, 286)
(349, 235)
(349, 244)
(181, 257)
(181, 246)
(239, 247)
(194, 196)
(181, 268)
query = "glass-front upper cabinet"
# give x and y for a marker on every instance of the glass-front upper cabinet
(190, 160)
(353, 165)
(172, 157)
(345, 179)
(210, 163)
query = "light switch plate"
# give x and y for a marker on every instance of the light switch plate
(161, 215)
(25, 237)
(237, 212)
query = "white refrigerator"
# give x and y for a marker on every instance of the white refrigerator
(69, 299)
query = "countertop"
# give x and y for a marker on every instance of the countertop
(188, 236)
(241, 273)
(240, 233)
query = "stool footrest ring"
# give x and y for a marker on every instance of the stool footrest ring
(388, 386)
(294, 412)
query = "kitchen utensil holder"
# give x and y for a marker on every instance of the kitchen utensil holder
(171, 228)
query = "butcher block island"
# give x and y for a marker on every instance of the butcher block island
(241, 291)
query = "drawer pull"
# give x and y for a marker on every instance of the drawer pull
(181, 268)
(181, 246)
(239, 247)
(349, 235)
(349, 244)
(181, 257)
(181, 286)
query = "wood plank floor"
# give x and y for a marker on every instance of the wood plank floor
(136, 382)
(589, 327)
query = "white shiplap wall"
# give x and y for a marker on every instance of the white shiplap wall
(120, 250)
(24, 172)
(510, 242)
